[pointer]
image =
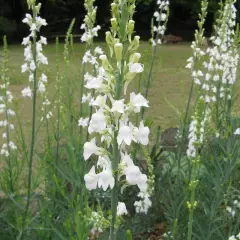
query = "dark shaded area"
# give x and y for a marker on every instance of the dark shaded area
(59, 13)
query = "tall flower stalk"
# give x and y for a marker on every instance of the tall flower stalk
(33, 58)
(6, 99)
(110, 122)
(214, 87)
(90, 56)
(161, 18)
(200, 120)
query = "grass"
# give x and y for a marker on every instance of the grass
(171, 81)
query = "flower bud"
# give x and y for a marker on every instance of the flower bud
(105, 63)
(131, 9)
(134, 58)
(134, 45)
(114, 10)
(31, 3)
(118, 47)
(38, 7)
(110, 42)
(109, 38)
(130, 27)
(114, 24)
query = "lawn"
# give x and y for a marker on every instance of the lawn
(171, 81)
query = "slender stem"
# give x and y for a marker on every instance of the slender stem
(149, 78)
(151, 67)
(184, 129)
(29, 189)
(218, 120)
(114, 200)
(188, 103)
(58, 100)
(115, 162)
(192, 199)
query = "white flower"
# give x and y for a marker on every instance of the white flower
(90, 148)
(135, 177)
(100, 101)
(86, 98)
(156, 14)
(138, 101)
(31, 78)
(231, 211)
(91, 179)
(98, 122)
(232, 238)
(12, 145)
(163, 16)
(135, 68)
(98, 51)
(124, 135)
(27, 92)
(103, 162)
(25, 40)
(106, 179)
(43, 40)
(83, 122)
(126, 160)
(43, 78)
(142, 182)
(121, 209)
(237, 131)
(142, 133)
(32, 65)
(118, 106)
(24, 67)
(94, 83)
(41, 87)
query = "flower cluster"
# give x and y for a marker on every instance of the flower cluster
(196, 129)
(33, 51)
(161, 17)
(6, 99)
(223, 57)
(234, 209)
(110, 123)
(144, 204)
(88, 26)
(98, 221)
(221, 66)
(237, 237)
(198, 52)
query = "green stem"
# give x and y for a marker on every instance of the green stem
(29, 189)
(149, 78)
(180, 148)
(151, 67)
(58, 101)
(192, 199)
(115, 162)
(114, 200)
